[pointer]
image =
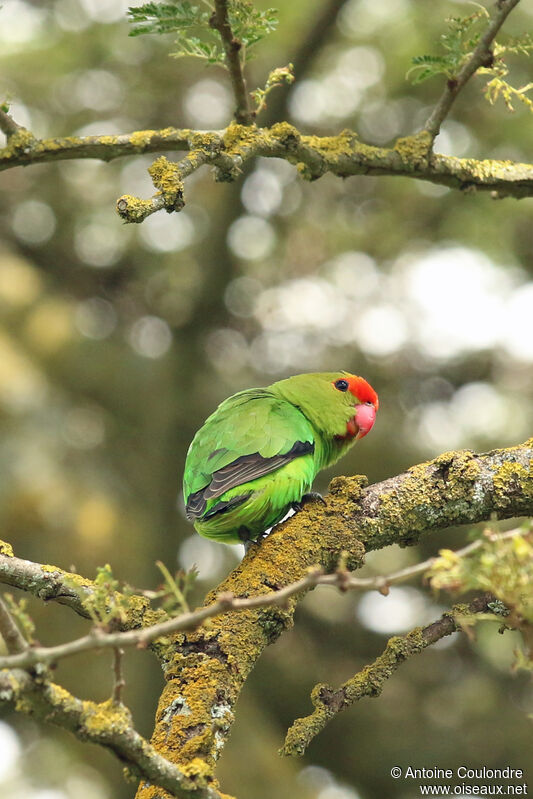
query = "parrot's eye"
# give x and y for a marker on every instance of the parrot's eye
(369, 403)
(341, 385)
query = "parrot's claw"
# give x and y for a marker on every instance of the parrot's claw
(248, 543)
(312, 496)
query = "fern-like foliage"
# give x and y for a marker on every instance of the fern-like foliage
(194, 35)
(458, 43)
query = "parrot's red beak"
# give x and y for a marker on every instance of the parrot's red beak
(365, 416)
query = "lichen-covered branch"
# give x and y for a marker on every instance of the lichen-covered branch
(370, 681)
(232, 47)
(481, 57)
(167, 178)
(342, 579)
(99, 638)
(107, 724)
(343, 155)
(68, 588)
(206, 669)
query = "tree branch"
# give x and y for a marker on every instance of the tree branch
(8, 124)
(206, 669)
(67, 588)
(118, 675)
(232, 47)
(481, 57)
(342, 155)
(107, 724)
(100, 639)
(342, 579)
(13, 638)
(167, 178)
(371, 680)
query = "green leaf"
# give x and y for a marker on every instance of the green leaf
(458, 43)
(195, 37)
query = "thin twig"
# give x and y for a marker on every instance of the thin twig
(481, 57)
(382, 582)
(232, 47)
(118, 674)
(8, 124)
(370, 680)
(13, 638)
(98, 639)
(67, 588)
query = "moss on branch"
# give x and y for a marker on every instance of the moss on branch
(107, 724)
(371, 680)
(342, 155)
(68, 588)
(205, 670)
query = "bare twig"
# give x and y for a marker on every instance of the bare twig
(481, 57)
(99, 639)
(382, 582)
(118, 674)
(13, 638)
(232, 47)
(8, 124)
(370, 681)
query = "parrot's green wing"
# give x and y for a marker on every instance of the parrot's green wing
(249, 435)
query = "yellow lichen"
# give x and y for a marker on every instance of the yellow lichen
(236, 136)
(6, 549)
(513, 478)
(141, 138)
(21, 142)
(105, 717)
(414, 150)
(108, 140)
(206, 142)
(133, 209)
(165, 176)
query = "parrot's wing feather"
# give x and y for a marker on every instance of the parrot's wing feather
(249, 435)
(242, 470)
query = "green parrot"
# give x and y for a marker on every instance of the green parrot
(257, 455)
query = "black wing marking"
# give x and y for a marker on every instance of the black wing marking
(241, 470)
(224, 507)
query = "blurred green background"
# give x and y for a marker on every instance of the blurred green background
(117, 341)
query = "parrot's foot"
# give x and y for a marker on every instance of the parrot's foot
(244, 535)
(312, 496)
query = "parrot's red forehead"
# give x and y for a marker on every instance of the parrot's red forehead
(362, 390)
